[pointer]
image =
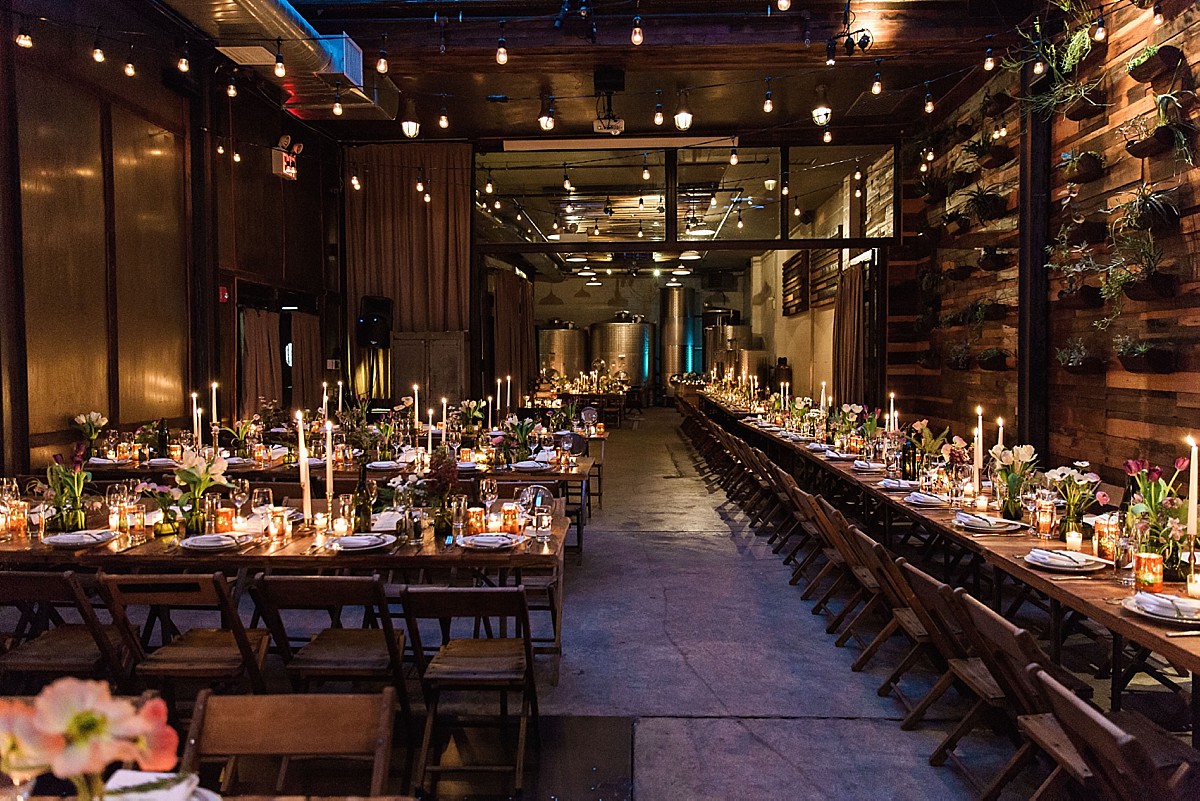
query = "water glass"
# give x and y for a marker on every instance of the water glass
(458, 514)
(543, 517)
(261, 500)
(488, 492)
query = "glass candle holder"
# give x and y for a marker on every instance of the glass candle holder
(224, 519)
(17, 519)
(1105, 532)
(341, 526)
(1044, 518)
(175, 452)
(476, 520)
(278, 525)
(1148, 571)
(1193, 585)
(494, 522)
(510, 518)
(1074, 540)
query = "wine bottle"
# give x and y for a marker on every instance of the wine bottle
(362, 502)
(162, 438)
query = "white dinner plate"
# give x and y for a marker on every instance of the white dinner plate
(1090, 567)
(529, 464)
(1130, 604)
(999, 528)
(81, 539)
(926, 504)
(468, 466)
(490, 542)
(382, 465)
(352, 543)
(213, 542)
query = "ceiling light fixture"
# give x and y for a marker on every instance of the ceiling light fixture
(989, 60)
(683, 115)
(443, 118)
(877, 84)
(689, 255)
(733, 157)
(827, 137)
(681, 270)
(821, 113)
(230, 89)
(488, 186)
(928, 99)
(672, 282)
(97, 50)
(23, 38)
(409, 123)
(594, 282)
(645, 170)
(381, 63)
(783, 5)
(566, 178)
(130, 70)
(501, 47)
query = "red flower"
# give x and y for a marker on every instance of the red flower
(1154, 473)
(1135, 466)
(1182, 463)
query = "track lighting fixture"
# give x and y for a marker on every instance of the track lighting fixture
(501, 47)
(546, 115)
(683, 115)
(381, 63)
(280, 69)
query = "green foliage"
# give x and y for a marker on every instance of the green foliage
(1141, 57)
(1074, 353)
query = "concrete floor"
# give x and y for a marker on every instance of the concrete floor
(684, 620)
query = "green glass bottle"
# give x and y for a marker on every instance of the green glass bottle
(362, 502)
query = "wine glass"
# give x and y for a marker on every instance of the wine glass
(114, 496)
(261, 500)
(372, 490)
(488, 492)
(240, 493)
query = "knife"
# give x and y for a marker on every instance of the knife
(1183, 633)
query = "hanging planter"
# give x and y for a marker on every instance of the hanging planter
(1161, 140)
(1085, 297)
(959, 272)
(1153, 359)
(1153, 62)
(993, 360)
(993, 260)
(1085, 365)
(997, 156)
(1086, 105)
(1083, 168)
(1154, 286)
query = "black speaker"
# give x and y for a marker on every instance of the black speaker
(374, 327)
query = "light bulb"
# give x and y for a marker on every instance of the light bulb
(237, 157)
(220, 150)
(645, 173)
(929, 155)
(231, 89)
(420, 185)
(130, 70)
(546, 115)
(1039, 66)
(354, 182)
(989, 61)
(683, 115)
(489, 187)
(496, 205)
(280, 70)
(768, 103)
(569, 208)
(924, 167)
(857, 174)
(183, 64)
(712, 200)
(1158, 15)
(796, 212)
(427, 198)
(783, 5)
(596, 229)
(784, 190)
(1101, 33)
(858, 193)
(827, 137)
(443, 120)
(740, 224)
(733, 157)
(928, 103)
(23, 38)
(381, 64)
(830, 53)
(337, 108)
(501, 53)
(636, 35)
(640, 233)
(876, 85)
(1003, 129)
(658, 114)
(97, 53)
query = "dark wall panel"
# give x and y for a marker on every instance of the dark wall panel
(151, 238)
(62, 204)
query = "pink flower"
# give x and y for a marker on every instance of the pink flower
(1154, 473)
(1135, 466)
(1182, 463)
(24, 751)
(91, 723)
(1102, 498)
(158, 743)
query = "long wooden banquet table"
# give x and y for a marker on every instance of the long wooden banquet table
(1096, 597)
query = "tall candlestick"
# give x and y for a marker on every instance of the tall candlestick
(445, 424)
(892, 408)
(324, 398)
(1000, 432)
(329, 465)
(339, 401)
(508, 394)
(977, 465)
(1193, 497)
(498, 415)
(417, 403)
(489, 404)
(197, 443)
(822, 396)
(302, 453)
(429, 443)
(195, 418)
(216, 418)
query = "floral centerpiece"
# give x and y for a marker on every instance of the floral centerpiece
(1156, 509)
(90, 425)
(196, 474)
(870, 425)
(514, 439)
(75, 729)
(1079, 492)
(848, 420)
(243, 433)
(1011, 469)
(167, 500)
(928, 445)
(563, 418)
(64, 491)
(433, 490)
(387, 429)
(470, 412)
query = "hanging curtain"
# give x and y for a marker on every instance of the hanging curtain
(513, 337)
(308, 361)
(400, 247)
(848, 347)
(262, 366)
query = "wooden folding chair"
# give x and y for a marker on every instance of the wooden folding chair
(230, 653)
(502, 664)
(1124, 766)
(226, 728)
(48, 646)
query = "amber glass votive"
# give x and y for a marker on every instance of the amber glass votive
(1148, 571)
(224, 519)
(510, 519)
(18, 515)
(476, 520)
(1044, 518)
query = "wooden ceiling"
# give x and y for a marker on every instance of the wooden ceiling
(442, 54)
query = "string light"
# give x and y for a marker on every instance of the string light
(928, 99)
(566, 178)
(784, 189)
(130, 70)
(337, 99)
(1039, 66)
(280, 69)
(443, 119)
(924, 167)
(929, 154)
(683, 115)
(645, 169)
(231, 87)
(381, 63)
(1159, 19)
(796, 211)
(877, 84)
(783, 5)
(23, 38)
(1003, 129)
(427, 198)
(410, 126)
(989, 61)
(220, 149)
(596, 229)
(569, 208)
(184, 63)
(830, 53)
(97, 51)
(354, 182)
(995, 130)
(658, 108)
(496, 205)
(501, 47)
(858, 191)
(489, 187)
(421, 180)
(636, 36)
(712, 200)
(1101, 32)
(740, 224)
(546, 115)
(857, 173)
(821, 113)
(828, 135)
(733, 157)
(768, 104)
(237, 157)
(640, 232)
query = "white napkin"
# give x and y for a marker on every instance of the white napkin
(278, 451)
(529, 464)
(817, 446)
(386, 465)
(316, 462)
(544, 456)
(1058, 558)
(1168, 605)
(352, 542)
(898, 483)
(860, 464)
(926, 498)
(161, 462)
(467, 466)
(977, 521)
(81, 538)
(125, 779)
(385, 522)
(154, 516)
(100, 461)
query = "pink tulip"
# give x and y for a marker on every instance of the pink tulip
(1102, 498)
(1182, 463)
